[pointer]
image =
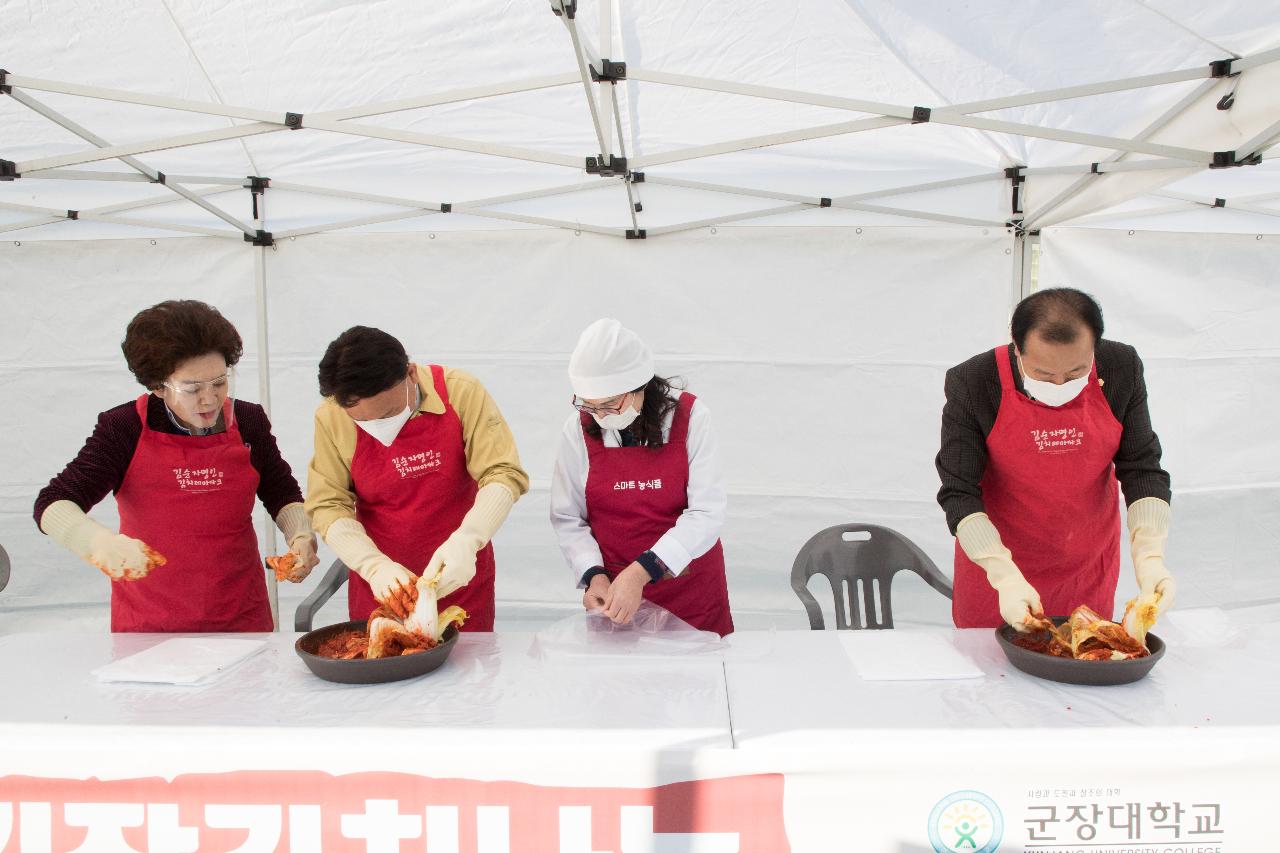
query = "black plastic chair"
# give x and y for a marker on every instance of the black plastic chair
(4, 567)
(332, 581)
(862, 563)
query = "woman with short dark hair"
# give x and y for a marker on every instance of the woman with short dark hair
(185, 462)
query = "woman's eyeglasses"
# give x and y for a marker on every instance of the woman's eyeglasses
(192, 389)
(608, 407)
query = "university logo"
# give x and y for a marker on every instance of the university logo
(967, 821)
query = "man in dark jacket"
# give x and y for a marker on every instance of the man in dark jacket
(1036, 437)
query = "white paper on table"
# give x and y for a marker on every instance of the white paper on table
(1199, 627)
(898, 655)
(182, 660)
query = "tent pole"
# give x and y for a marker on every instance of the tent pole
(264, 386)
(1018, 269)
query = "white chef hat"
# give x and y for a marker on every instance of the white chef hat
(609, 359)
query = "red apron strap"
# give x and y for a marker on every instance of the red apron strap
(437, 379)
(680, 423)
(1004, 363)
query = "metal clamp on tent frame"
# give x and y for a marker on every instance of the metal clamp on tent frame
(610, 72)
(1222, 67)
(637, 234)
(293, 121)
(1227, 160)
(614, 167)
(5, 88)
(1014, 174)
(257, 186)
(564, 7)
(260, 238)
(9, 170)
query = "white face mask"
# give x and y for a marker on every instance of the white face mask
(1050, 394)
(622, 420)
(386, 429)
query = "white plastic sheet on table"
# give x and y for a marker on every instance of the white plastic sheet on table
(906, 655)
(652, 633)
(182, 660)
(489, 692)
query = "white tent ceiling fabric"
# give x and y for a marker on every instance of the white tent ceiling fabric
(807, 67)
(817, 334)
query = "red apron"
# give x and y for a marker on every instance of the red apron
(1051, 491)
(411, 496)
(190, 497)
(634, 496)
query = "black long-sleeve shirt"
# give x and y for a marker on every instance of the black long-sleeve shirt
(973, 400)
(100, 466)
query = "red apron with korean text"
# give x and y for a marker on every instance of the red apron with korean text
(634, 496)
(1051, 491)
(190, 497)
(411, 496)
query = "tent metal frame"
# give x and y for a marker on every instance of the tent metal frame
(605, 112)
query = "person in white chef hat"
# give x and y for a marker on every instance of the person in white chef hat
(638, 498)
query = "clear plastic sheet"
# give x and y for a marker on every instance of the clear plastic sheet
(653, 633)
(489, 693)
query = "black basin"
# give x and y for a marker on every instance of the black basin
(1071, 671)
(376, 671)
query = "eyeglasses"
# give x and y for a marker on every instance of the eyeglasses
(608, 407)
(191, 389)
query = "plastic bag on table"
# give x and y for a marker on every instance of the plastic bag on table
(653, 632)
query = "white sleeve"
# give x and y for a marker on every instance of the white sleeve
(699, 525)
(569, 503)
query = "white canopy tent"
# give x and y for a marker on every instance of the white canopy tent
(823, 205)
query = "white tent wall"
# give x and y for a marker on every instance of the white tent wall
(1203, 311)
(819, 351)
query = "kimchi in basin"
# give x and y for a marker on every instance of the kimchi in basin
(376, 671)
(1072, 671)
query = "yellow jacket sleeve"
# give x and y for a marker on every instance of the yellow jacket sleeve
(330, 494)
(491, 449)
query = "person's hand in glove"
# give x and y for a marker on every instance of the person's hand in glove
(1019, 602)
(622, 598)
(453, 565)
(116, 555)
(121, 557)
(391, 583)
(1148, 521)
(296, 528)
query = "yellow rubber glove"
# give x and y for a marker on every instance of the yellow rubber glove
(296, 529)
(117, 556)
(453, 565)
(386, 578)
(1148, 521)
(1019, 602)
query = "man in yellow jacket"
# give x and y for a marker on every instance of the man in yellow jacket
(414, 471)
